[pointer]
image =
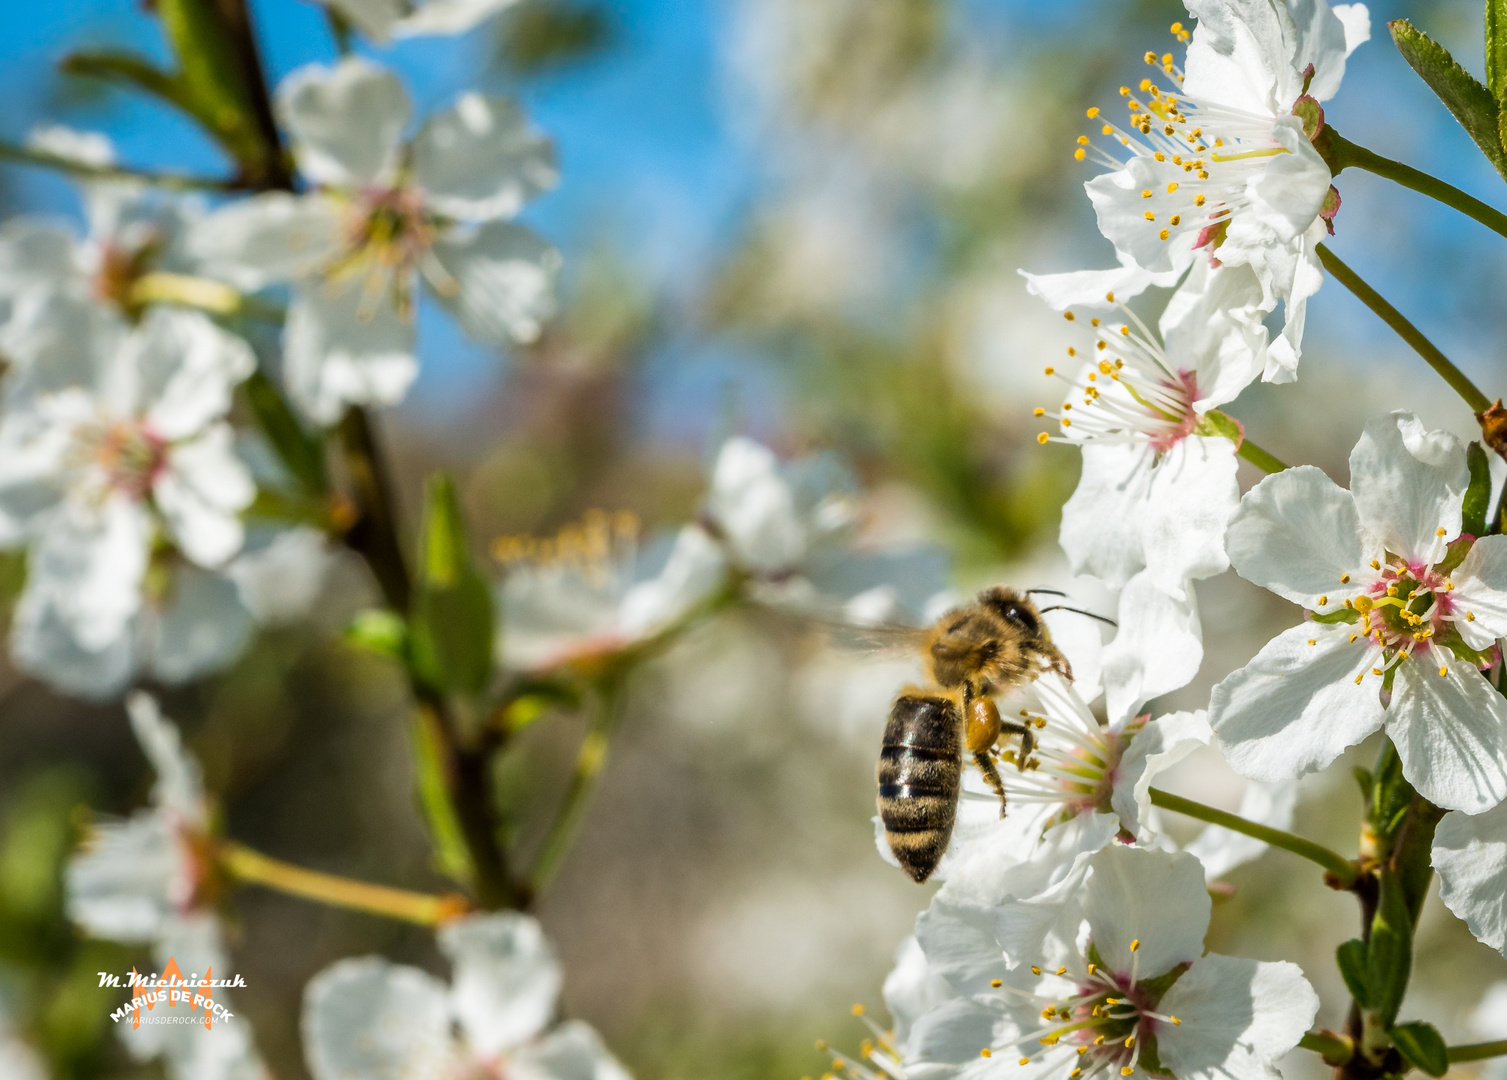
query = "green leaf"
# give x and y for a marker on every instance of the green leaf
(300, 452)
(1470, 102)
(380, 631)
(450, 852)
(1366, 781)
(1496, 48)
(1422, 1044)
(1392, 793)
(1478, 494)
(1354, 969)
(1389, 958)
(452, 614)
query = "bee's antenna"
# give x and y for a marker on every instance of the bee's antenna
(1052, 592)
(1078, 611)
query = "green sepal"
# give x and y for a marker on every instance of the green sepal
(1477, 505)
(1391, 795)
(1343, 615)
(1355, 970)
(1478, 658)
(1470, 103)
(1215, 422)
(451, 856)
(1366, 781)
(1422, 1045)
(301, 453)
(1496, 48)
(380, 631)
(1389, 957)
(451, 623)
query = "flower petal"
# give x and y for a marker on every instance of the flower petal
(1296, 706)
(1147, 909)
(1238, 1017)
(200, 627)
(44, 643)
(447, 17)
(180, 786)
(572, 1051)
(1287, 195)
(958, 940)
(1214, 325)
(1121, 214)
(376, 1020)
(1297, 533)
(345, 121)
(506, 979)
(335, 356)
(1481, 591)
(912, 989)
(1192, 496)
(1241, 56)
(201, 493)
(1409, 483)
(119, 884)
(91, 560)
(374, 18)
(755, 507)
(481, 159)
(502, 281)
(268, 238)
(1451, 733)
(281, 575)
(696, 568)
(1158, 746)
(184, 369)
(1091, 288)
(1470, 853)
(1100, 533)
(1158, 648)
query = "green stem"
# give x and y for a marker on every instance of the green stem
(1334, 1049)
(1259, 457)
(1478, 1051)
(1341, 868)
(1425, 348)
(1341, 153)
(583, 779)
(42, 159)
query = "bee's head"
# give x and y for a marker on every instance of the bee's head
(1015, 609)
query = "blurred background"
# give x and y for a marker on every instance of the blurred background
(799, 220)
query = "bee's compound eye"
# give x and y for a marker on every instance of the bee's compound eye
(1019, 615)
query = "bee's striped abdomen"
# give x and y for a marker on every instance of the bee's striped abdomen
(920, 766)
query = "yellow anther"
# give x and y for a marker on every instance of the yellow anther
(1375, 565)
(1323, 600)
(1150, 57)
(1135, 944)
(1025, 1061)
(1364, 604)
(1126, 1070)
(1124, 91)
(1150, 216)
(1093, 112)
(1049, 1040)
(1035, 970)
(1099, 1041)
(1079, 154)
(1470, 616)
(1164, 234)
(1175, 1021)
(1049, 370)
(1049, 1012)
(857, 1010)
(1159, 156)
(1166, 58)
(1359, 677)
(1171, 187)
(996, 983)
(1353, 637)
(1092, 969)
(1198, 200)
(1313, 641)
(1439, 532)
(1344, 579)
(986, 1052)
(1443, 670)
(821, 1044)
(1062, 971)
(1043, 438)
(1038, 411)
(1176, 219)
(1391, 590)
(1072, 351)
(1111, 1001)
(1082, 1050)
(1376, 671)
(1129, 1041)
(1177, 28)
(1075, 1074)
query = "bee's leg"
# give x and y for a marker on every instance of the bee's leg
(1056, 661)
(1021, 758)
(985, 763)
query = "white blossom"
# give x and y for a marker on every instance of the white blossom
(1470, 854)
(1405, 611)
(1222, 161)
(370, 1019)
(380, 215)
(101, 469)
(1112, 979)
(382, 20)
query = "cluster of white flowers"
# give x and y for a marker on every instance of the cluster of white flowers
(1067, 938)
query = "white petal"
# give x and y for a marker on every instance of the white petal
(1191, 498)
(958, 940)
(1297, 533)
(755, 507)
(200, 627)
(1157, 649)
(1470, 853)
(180, 786)
(33, 462)
(482, 159)
(1238, 1017)
(1091, 288)
(912, 989)
(1305, 280)
(448, 17)
(1047, 921)
(333, 357)
(1154, 749)
(1489, 1021)
(1241, 55)
(1117, 202)
(696, 569)
(1481, 590)
(1287, 195)
(1326, 36)
(281, 576)
(952, 1033)
(1153, 900)
(1408, 483)
(184, 368)
(268, 238)
(1100, 533)
(1213, 324)
(1222, 850)
(573, 1051)
(375, 1020)
(91, 560)
(201, 493)
(506, 979)
(502, 281)
(1296, 706)
(345, 121)
(374, 18)
(121, 883)
(44, 644)
(1451, 732)
(35, 251)
(58, 339)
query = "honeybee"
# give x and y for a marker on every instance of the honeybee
(997, 642)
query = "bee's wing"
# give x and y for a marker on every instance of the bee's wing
(863, 637)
